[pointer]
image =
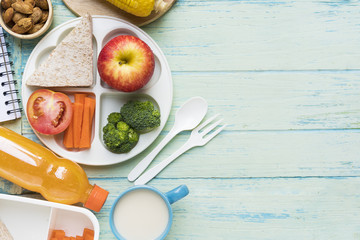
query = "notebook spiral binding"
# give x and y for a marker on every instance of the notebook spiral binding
(5, 54)
(6, 73)
(14, 111)
(10, 92)
(9, 82)
(17, 100)
(6, 63)
(11, 101)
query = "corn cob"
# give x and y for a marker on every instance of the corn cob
(140, 8)
(4, 232)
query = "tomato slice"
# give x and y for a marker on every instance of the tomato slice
(49, 112)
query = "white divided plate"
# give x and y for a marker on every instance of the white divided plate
(159, 90)
(34, 219)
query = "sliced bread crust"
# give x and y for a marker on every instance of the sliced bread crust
(70, 64)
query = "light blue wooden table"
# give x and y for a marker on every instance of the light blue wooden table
(286, 77)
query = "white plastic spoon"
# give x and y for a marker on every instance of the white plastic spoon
(187, 117)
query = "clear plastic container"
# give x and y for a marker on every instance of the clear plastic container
(36, 168)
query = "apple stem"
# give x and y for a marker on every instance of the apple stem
(122, 62)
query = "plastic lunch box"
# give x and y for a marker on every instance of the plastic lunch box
(34, 219)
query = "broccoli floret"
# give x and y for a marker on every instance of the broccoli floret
(133, 138)
(140, 115)
(114, 118)
(108, 127)
(119, 139)
(122, 126)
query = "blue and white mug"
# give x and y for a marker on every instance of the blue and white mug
(144, 212)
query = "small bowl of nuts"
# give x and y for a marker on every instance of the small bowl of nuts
(26, 19)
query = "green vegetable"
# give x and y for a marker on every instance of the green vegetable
(140, 115)
(108, 127)
(118, 136)
(114, 118)
(122, 126)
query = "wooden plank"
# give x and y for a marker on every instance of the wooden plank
(290, 208)
(231, 35)
(276, 100)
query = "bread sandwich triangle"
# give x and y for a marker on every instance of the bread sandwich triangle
(70, 64)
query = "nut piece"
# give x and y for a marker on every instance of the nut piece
(8, 15)
(23, 25)
(5, 4)
(44, 16)
(32, 2)
(35, 28)
(36, 15)
(10, 24)
(17, 16)
(23, 7)
(43, 4)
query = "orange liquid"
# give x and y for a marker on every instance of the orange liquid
(36, 168)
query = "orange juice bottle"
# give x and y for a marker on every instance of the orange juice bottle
(36, 168)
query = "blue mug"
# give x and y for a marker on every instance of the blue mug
(123, 226)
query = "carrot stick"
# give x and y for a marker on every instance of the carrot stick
(88, 233)
(88, 237)
(68, 139)
(91, 119)
(92, 112)
(86, 130)
(78, 118)
(58, 234)
(80, 97)
(89, 106)
(84, 139)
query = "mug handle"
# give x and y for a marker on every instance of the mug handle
(177, 193)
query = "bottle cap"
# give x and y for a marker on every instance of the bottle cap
(96, 198)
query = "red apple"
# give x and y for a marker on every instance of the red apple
(126, 63)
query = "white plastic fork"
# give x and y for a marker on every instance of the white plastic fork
(197, 138)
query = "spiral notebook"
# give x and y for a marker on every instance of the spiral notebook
(9, 100)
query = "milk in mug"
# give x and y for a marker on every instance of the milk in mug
(141, 214)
